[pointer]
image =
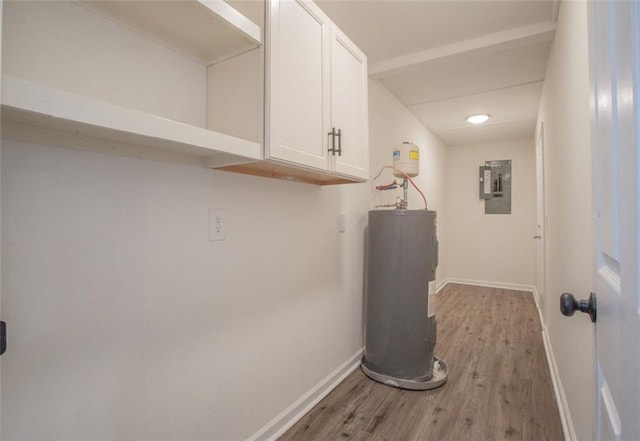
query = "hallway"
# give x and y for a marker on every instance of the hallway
(499, 387)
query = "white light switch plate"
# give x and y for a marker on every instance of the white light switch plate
(342, 222)
(216, 224)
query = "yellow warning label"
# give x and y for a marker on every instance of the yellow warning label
(414, 155)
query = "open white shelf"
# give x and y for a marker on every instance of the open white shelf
(130, 75)
(26, 104)
(208, 30)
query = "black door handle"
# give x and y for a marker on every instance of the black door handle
(569, 305)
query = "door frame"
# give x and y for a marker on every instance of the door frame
(541, 222)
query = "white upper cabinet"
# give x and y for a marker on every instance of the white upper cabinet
(316, 93)
(123, 76)
(298, 83)
(349, 106)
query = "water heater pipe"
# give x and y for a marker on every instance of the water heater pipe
(406, 176)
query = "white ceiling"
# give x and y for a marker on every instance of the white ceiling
(446, 60)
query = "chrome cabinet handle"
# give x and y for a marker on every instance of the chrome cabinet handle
(333, 150)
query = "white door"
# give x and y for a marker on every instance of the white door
(540, 224)
(615, 58)
(298, 78)
(349, 106)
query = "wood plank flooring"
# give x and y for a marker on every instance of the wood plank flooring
(498, 388)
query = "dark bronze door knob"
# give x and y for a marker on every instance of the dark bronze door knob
(569, 305)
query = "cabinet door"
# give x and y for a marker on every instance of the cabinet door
(298, 79)
(349, 106)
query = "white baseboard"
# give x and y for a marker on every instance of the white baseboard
(490, 284)
(441, 285)
(561, 398)
(536, 298)
(288, 417)
(558, 389)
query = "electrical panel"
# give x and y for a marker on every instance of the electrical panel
(495, 186)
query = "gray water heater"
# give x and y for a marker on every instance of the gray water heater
(400, 325)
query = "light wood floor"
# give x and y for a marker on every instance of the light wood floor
(498, 388)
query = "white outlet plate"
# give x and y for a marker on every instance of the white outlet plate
(217, 230)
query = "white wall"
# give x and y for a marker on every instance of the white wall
(491, 248)
(564, 109)
(128, 323)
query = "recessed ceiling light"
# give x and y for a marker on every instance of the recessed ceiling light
(477, 119)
